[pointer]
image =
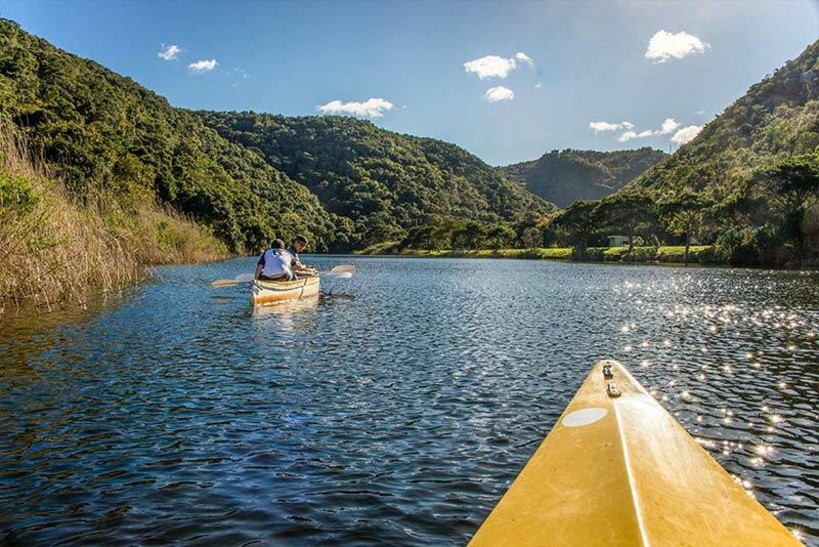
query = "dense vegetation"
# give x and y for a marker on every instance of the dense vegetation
(343, 182)
(562, 177)
(103, 133)
(386, 184)
(748, 182)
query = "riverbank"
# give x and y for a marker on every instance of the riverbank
(55, 251)
(701, 254)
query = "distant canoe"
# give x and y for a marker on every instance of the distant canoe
(272, 292)
(618, 469)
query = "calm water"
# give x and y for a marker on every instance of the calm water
(394, 409)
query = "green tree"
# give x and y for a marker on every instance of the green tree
(686, 214)
(578, 224)
(631, 213)
(795, 182)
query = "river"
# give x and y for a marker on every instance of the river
(396, 408)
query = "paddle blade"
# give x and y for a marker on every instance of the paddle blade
(337, 275)
(349, 268)
(241, 278)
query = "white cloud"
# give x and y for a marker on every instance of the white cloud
(202, 66)
(606, 126)
(664, 46)
(686, 134)
(499, 93)
(491, 66)
(669, 126)
(628, 135)
(169, 53)
(520, 56)
(371, 108)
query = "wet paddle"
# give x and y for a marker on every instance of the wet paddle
(241, 278)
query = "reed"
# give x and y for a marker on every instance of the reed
(55, 251)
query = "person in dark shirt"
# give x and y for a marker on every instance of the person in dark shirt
(299, 244)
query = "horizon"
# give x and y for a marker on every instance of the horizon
(500, 81)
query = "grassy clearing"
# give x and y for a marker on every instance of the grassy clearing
(54, 252)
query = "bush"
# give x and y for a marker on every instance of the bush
(641, 254)
(743, 246)
(554, 253)
(594, 254)
(17, 194)
(615, 254)
(696, 253)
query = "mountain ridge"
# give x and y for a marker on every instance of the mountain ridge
(562, 177)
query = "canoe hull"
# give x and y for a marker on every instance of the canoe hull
(620, 470)
(266, 293)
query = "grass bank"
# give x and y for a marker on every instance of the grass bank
(703, 254)
(54, 251)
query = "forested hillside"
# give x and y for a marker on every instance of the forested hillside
(106, 135)
(343, 182)
(384, 182)
(776, 119)
(748, 183)
(562, 177)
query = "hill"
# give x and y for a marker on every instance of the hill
(384, 182)
(250, 177)
(570, 175)
(748, 183)
(776, 119)
(106, 135)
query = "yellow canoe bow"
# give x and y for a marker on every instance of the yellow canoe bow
(618, 469)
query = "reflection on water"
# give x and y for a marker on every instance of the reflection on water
(395, 408)
(288, 308)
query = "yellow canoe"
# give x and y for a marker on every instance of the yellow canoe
(272, 292)
(618, 469)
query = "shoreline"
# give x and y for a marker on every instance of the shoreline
(701, 255)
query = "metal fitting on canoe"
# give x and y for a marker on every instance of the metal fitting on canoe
(612, 390)
(607, 373)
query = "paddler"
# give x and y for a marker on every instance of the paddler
(299, 269)
(275, 264)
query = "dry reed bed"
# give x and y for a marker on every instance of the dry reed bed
(55, 252)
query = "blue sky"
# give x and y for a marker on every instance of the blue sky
(508, 81)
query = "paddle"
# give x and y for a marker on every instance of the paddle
(342, 271)
(241, 278)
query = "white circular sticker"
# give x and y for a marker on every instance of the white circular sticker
(586, 416)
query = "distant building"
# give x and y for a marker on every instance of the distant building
(618, 241)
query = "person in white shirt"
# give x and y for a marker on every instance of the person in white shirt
(275, 264)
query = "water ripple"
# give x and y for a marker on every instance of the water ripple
(394, 409)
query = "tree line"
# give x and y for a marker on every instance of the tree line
(772, 219)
